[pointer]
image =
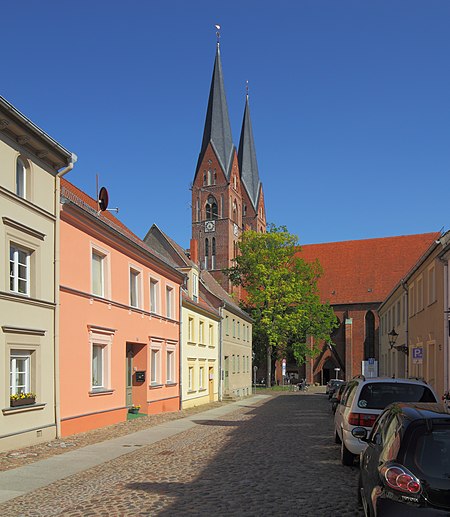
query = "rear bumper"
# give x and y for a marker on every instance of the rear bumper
(387, 507)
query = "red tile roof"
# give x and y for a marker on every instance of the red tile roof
(365, 271)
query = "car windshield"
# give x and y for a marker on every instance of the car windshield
(429, 451)
(378, 395)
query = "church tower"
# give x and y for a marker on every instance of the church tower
(224, 203)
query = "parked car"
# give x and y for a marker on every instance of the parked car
(405, 468)
(337, 395)
(333, 386)
(364, 399)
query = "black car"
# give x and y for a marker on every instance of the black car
(336, 397)
(333, 386)
(405, 469)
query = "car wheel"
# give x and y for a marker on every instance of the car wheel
(336, 438)
(347, 457)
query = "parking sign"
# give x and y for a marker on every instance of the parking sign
(417, 355)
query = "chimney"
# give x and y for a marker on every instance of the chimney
(194, 251)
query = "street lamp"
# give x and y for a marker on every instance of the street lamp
(392, 337)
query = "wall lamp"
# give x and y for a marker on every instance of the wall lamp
(392, 335)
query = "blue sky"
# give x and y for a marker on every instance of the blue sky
(350, 104)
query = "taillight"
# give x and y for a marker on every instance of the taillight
(362, 419)
(400, 478)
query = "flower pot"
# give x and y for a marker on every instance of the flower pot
(133, 410)
(22, 402)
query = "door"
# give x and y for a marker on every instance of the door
(129, 381)
(211, 384)
(226, 372)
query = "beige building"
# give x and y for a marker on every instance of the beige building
(414, 321)
(32, 164)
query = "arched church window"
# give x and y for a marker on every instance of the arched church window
(210, 177)
(204, 178)
(211, 208)
(244, 210)
(234, 211)
(369, 342)
(215, 176)
(213, 253)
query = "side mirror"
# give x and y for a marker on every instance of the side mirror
(360, 433)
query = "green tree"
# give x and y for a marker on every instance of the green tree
(281, 295)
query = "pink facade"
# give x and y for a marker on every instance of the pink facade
(119, 325)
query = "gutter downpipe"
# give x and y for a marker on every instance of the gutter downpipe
(405, 287)
(220, 387)
(446, 325)
(56, 268)
(180, 347)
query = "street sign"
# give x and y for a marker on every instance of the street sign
(371, 360)
(283, 367)
(417, 355)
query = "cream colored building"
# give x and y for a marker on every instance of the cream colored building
(31, 164)
(418, 311)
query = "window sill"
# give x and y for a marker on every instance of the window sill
(191, 391)
(202, 389)
(22, 409)
(155, 386)
(168, 384)
(94, 393)
(203, 345)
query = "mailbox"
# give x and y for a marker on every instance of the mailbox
(140, 376)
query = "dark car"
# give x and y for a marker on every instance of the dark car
(405, 468)
(333, 386)
(337, 395)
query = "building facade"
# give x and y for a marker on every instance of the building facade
(120, 320)
(32, 164)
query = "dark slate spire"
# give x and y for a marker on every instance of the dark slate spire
(217, 124)
(247, 157)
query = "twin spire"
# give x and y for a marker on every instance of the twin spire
(217, 131)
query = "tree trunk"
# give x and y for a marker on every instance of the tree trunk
(269, 366)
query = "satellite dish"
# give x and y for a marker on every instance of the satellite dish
(103, 199)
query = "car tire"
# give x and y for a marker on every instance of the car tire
(347, 458)
(336, 438)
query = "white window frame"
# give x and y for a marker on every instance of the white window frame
(15, 356)
(14, 278)
(22, 168)
(191, 378)
(155, 365)
(211, 335)
(102, 338)
(201, 332)
(170, 366)
(98, 377)
(154, 296)
(95, 252)
(201, 378)
(420, 293)
(195, 287)
(431, 284)
(135, 278)
(170, 302)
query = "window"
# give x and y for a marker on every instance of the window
(169, 302)
(154, 367)
(211, 336)
(239, 330)
(431, 285)
(190, 329)
(213, 253)
(201, 332)
(98, 274)
(211, 208)
(398, 312)
(412, 300)
(206, 252)
(191, 378)
(227, 326)
(201, 377)
(21, 178)
(19, 270)
(154, 296)
(419, 294)
(234, 363)
(135, 288)
(20, 372)
(234, 328)
(238, 364)
(170, 366)
(98, 365)
(195, 287)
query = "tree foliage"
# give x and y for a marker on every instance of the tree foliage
(280, 292)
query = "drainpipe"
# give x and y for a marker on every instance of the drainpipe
(446, 325)
(56, 323)
(180, 347)
(405, 288)
(220, 386)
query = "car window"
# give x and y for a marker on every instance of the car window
(429, 452)
(390, 436)
(378, 395)
(377, 428)
(349, 393)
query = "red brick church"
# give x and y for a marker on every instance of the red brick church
(227, 198)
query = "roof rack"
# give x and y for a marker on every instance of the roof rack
(359, 377)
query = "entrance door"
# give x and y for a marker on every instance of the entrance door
(211, 384)
(129, 383)
(226, 372)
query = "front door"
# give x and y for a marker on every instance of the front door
(129, 382)
(211, 384)
(226, 372)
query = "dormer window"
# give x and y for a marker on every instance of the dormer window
(211, 208)
(195, 287)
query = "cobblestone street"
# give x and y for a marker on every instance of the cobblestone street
(274, 458)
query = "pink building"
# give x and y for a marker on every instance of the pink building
(120, 320)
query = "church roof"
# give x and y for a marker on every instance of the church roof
(217, 124)
(248, 164)
(365, 271)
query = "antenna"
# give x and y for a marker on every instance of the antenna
(246, 88)
(217, 32)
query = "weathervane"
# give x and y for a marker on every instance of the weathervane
(217, 32)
